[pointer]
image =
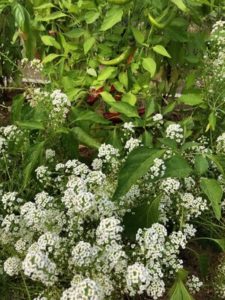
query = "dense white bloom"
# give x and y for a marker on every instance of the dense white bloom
(175, 132)
(83, 254)
(13, 266)
(11, 202)
(38, 266)
(49, 154)
(157, 169)
(220, 143)
(194, 284)
(108, 230)
(131, 144)
(137, 278)
(170, 185)
(84, 290)
(194, 206)
(129, 126)
(158, 118)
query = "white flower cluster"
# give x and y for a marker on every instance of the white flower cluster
(60, 107)
(175, 132)
(73, 235)
(35, 64)
(13, 266)
(194, 284)
(131, 144)
(11, 202)
(49, 154)
(38, 266)
(170, 185)
(157, 169)
(36, 96)
(194, 206)
(84, 290)
(220, 143)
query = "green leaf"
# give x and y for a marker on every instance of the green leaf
(106, 73)
(180, 4)
(201, 164)
(153, 211)
(31, 125)
(19, 15)
(137, 165)
(123, 78)
(179, 292)
(44, 6)
(92, 72)
(88, 116)
(113, 16)
(17, 105)
(212, 189)
(120, 107)
(88, 44)
(177, 167)
(91, 16)
(32, 162)
(50, 58)
(50, 41)
(138, 35)
(212, 120)
(219, 242)
(85, 138)
(161, 50)
(52, 16)
(129, 98)
(219, 161)
(149, 65)
(191, 99)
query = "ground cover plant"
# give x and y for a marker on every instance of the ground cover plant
(112, 164)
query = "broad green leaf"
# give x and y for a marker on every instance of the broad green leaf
(91, 16)
(106, 73)
(84, 138)
(179, 292)
(218, 242)
(212, 121)
(178, 167)
(88, 44)
(180, 4)
(50, 41)
(75, 33)
(212, 189)
(149, 65)
(153, 211)
(147, 139)
(31, 125)
(201, 164)
(123, 78)
(50, 58)
(129, 98)
(161, 50)
(52, 16)
(32, 162)
(44, 6)
(219, 161)
(137, 165)
(88, 116)
(113, 16)
(120, 107)
(92, 72)
(191, 99)
(138, 35)
(17, 105)
(19, 14)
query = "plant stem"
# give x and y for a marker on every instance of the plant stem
(24, 282)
